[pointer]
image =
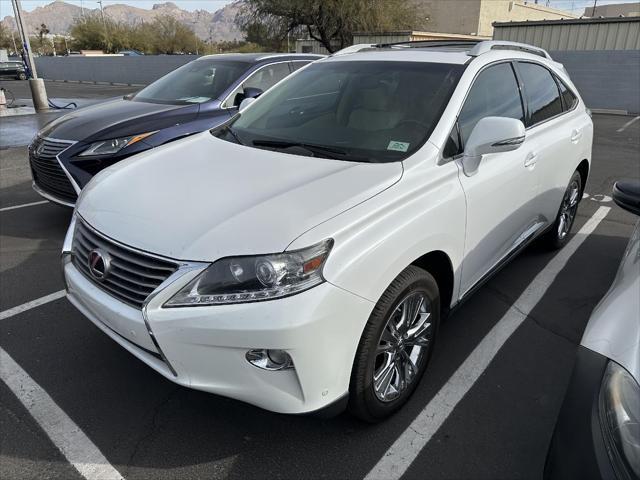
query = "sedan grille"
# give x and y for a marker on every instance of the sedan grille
(47, 172)
(131, 276)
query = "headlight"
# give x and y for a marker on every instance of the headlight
(109, 147)
(620, 419)
(255, 278)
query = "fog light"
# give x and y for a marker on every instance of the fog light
(269, 359)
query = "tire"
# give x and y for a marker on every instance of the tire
(391, 365)
(558, 235)
(22, 76)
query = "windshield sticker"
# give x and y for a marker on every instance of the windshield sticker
(398, 146)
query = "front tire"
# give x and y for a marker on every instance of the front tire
(396, 345)
(22, 76)
(558, 236)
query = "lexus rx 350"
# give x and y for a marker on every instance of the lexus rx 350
(303, 254)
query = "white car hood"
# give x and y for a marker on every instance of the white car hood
(203, 198)
(614, 327)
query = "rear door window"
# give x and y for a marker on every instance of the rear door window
(541, 92)
(494, 93)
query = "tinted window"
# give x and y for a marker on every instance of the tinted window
(541, 92)
(196, 82)
(568, 98)
(495, 93)
(298, 64)
(264, 79)
(367, 111)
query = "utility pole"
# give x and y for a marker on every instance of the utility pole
(38, 91)
(104, 22)
(593, 10)
(15, 47)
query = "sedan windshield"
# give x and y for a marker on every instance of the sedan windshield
(367, 111)
(197, 82)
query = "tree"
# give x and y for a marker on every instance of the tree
(171, 36)
(330, 22)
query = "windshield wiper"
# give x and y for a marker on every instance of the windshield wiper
(321, 150)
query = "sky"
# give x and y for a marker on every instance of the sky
(576, 6)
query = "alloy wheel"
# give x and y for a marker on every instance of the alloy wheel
(568, 209)
(405, 340)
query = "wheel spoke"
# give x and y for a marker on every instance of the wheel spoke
(382, 380)
(384, 348)
(421, 326)
(410, 366)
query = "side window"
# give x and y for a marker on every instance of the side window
(541, 92)
(264, 78)
(495, 93)
(569, 99)
(267, 77)
(298, 64)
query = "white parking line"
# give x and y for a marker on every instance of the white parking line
(630, 122)
(85, 457)
(32, 304)
(15, 207)
(406, 448)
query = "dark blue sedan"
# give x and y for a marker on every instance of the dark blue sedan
(198, 96)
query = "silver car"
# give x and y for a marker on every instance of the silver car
(597, 434)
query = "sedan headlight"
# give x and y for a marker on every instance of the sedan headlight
(109, 147)
(255, 278)
(619, 406)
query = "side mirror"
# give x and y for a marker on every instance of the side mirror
(491, 135)
(248, 92)
(245, 103)
(626, 193)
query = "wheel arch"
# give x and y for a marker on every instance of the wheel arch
(583, 170)
(438, 264)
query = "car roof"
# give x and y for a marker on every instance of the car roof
(439, 51)
(260, 57)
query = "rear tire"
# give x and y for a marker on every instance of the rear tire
(558, 235)
(396, 346)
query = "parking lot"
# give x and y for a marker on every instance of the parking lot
(73, 401)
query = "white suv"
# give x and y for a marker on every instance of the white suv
(303, 255)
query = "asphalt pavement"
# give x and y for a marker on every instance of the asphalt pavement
(68, 380)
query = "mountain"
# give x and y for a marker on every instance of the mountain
(59, 16)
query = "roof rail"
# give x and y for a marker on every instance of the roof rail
(430, 43)
(487, 46)
(354, 48)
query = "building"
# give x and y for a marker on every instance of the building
(475, 17)
(454, 19)
(602, 55)
(614, 10)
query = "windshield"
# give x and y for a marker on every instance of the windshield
(352, 110)
(196, 82)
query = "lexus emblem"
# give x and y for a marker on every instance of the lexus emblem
(99, 264)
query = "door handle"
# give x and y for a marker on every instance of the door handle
(576, 135)
(531, 159)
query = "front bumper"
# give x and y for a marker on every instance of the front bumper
(577, 448)
(205, 346)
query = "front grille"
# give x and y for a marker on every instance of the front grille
(47, 172)
(132, 276)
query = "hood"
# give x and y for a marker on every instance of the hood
(202, 198)
(116, 118)
(614, 327)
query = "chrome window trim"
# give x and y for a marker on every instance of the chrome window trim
(222, 104)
